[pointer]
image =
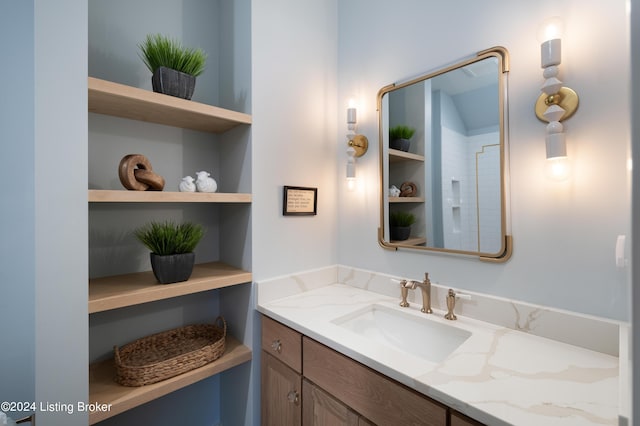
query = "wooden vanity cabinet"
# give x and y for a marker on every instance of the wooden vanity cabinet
(306, 383)
(376, 397)
(282, 343)
(320, 408)
(281, 393)
(281, 375)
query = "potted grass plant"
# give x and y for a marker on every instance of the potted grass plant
(171, 245)
(399, 137)
(173, 66)
(400, 225)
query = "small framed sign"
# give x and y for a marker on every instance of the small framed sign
(300, 201)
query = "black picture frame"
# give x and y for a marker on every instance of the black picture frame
(299, 201)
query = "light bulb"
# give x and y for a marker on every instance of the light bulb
(558, 168)
(351, 183)
(550, 29)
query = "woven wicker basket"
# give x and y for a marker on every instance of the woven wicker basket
(170, 353)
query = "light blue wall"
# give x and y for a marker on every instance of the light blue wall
(564, 233)
(17, 224)
(634, 334)
(294, 132)
(61, 207)
(43, 261)
(294, 141)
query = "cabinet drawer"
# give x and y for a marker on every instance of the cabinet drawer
(378, 398)
(282, 342)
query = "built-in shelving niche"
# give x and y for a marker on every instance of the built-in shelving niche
(123, 292)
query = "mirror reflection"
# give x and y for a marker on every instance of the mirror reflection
(442, 159)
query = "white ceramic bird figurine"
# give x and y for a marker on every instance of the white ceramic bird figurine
(187, 185)
(394, 191)
(205, 183)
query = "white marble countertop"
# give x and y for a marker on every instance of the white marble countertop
(498, 376)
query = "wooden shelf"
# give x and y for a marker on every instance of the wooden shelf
(133, 289)
(104, 390)
(106, 97)
(395, 155)
(406, 199)
(124, 196)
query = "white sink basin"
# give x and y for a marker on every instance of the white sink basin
(419, 336)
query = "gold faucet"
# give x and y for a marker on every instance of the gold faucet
(425, 286)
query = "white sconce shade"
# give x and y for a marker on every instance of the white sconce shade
(351, 115)
(556, 145)
(351, 169)
(556, 103)
(351, 163)
(551, 52)
(358, 144)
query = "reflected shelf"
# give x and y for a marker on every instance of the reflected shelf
(406, 199)
(412, 241)
(395, 155)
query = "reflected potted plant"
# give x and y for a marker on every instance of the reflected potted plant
(171, 245)
(399, 137)
(173, 66)
(400, 225)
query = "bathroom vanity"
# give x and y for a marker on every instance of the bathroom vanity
(338, 353)
(305, 382)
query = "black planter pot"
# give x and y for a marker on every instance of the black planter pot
(172, 268)
(173, 83)
(399, 233)
(401, 144)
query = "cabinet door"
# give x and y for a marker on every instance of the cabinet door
(281, 393)
(320, 409)
(376, 397)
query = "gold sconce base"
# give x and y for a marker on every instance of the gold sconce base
(360, 143)
(566, 99)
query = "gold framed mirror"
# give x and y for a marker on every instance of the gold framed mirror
(444, 160)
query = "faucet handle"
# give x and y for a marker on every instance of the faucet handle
(404, 292)
(451, 303)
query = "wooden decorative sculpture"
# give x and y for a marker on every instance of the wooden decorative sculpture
(408, 189)
(135, 173)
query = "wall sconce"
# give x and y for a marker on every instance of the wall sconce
(358, 145)
(556, 103)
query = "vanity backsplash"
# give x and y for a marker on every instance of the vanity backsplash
(598, 334)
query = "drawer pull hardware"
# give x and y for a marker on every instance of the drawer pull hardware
(293, 397)
(277, 345)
